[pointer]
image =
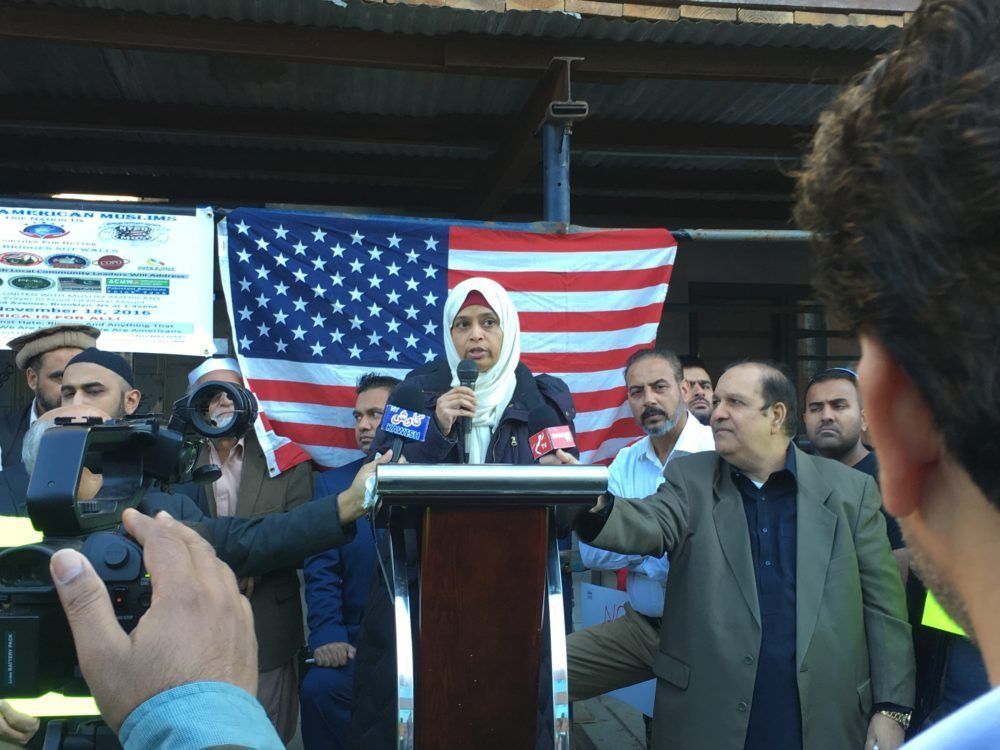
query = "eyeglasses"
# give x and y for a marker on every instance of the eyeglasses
(833, 372)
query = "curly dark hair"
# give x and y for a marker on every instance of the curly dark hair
(902, 191)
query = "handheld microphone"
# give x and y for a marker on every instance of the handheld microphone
(403, 420)
(548, 434)
(468, 372)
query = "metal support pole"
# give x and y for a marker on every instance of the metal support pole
(555, 171)
(742, 235)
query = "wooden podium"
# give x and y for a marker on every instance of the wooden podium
(474, 569)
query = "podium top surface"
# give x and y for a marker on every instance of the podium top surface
(496, 484)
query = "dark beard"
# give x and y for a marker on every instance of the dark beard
(938, 585)
(836, 451)
(668, 423)
(45, 405)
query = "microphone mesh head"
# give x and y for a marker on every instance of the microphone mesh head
(467, 371)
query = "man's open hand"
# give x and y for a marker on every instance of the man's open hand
(199, 627)
(350, 502)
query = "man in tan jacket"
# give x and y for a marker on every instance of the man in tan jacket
(245, 490)
(786, 624)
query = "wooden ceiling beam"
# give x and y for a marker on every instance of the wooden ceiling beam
(589, 210)
(176, 159)
(452, 53)
(244, 127)
(520, 150)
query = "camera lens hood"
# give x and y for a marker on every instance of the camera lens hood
(216, 409)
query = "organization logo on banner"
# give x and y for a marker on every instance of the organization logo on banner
(31, 283)
(154, 264)
(134, 232)
(75, 284)
(44, 231)
(111, 262)
(137, 286)
(67, 261)
(21, 260)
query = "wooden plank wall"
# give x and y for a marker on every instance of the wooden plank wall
(830, 13)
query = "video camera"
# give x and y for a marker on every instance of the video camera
(131, 454)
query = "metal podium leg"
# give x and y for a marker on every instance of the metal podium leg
(557, 636)
(404, 636)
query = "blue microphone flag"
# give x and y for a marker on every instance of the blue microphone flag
(406, 423)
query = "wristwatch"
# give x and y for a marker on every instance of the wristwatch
(903, 719)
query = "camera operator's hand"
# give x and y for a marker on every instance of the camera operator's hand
(15, 726)
(351, 500)
(199, 627)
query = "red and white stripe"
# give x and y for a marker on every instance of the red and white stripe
(311, 405)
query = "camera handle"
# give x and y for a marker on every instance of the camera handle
(90, 734)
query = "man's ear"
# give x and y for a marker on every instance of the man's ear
(132, 398)
(779, 413)
(32, 378)
(906, 440)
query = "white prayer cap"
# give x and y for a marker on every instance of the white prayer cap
(211, 365)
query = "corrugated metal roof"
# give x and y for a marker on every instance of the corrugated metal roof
(420, 19)
(163, 78)
(128, 77)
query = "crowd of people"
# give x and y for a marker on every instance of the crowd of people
(777, 561)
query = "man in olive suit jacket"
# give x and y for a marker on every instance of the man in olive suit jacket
(784, 618)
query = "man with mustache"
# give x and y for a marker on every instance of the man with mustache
(697, 387)
(245, 490)
(785, 621)
(621, 652)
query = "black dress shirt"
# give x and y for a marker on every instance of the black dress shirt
(772, 520)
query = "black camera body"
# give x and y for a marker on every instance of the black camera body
(131, 455)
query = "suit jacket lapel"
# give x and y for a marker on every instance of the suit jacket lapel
(251, 481)
(814, 545)
(734, 536)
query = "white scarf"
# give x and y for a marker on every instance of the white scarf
(495, 387)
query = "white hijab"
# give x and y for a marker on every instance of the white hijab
(495, 387)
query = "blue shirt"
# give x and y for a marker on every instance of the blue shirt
(772, 521)
(199, 715)
(637, 472)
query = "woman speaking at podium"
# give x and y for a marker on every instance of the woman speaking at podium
(483, 328)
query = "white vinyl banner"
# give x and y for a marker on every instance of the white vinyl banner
(142, 277)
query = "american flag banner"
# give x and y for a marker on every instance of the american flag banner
(316, 301)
